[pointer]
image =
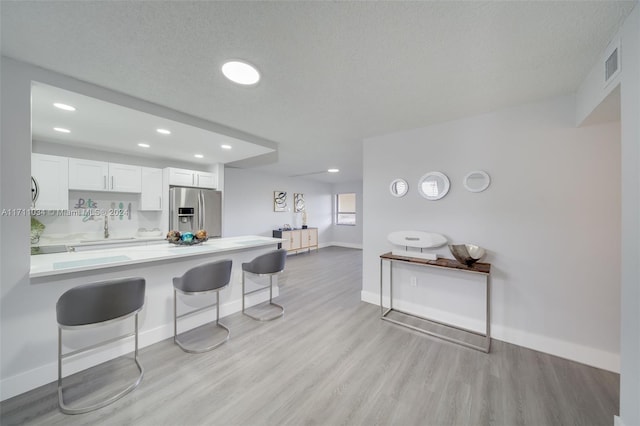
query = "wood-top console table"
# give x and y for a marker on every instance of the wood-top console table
(451, 264)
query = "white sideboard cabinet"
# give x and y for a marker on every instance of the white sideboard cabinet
(297, 240)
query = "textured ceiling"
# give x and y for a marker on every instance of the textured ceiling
(333, 72)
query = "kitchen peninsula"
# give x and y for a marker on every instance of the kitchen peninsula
(95, 260)
(53, 274)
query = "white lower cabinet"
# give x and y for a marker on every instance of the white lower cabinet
(50, 184)
(151, 195)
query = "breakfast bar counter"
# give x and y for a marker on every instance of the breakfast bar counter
(158, 263)
(68, 262)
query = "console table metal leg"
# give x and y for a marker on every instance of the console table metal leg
(390, 285)
(384, 312)
(381, 305)
(488, 318)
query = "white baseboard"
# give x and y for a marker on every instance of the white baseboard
(28, 380)
(560, 348)
(617, 421)
(346, 245)
(435, 314)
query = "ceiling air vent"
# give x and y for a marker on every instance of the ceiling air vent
(612, 63)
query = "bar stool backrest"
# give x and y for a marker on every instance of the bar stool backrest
(269, 263)
(207, 277)
(101, 301)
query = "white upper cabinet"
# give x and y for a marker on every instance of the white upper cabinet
(151, 197)
(184, 177)
(51, 181)
(92, 175)
(88, 174)
(206, 180)
(181, 177)
(125, 178)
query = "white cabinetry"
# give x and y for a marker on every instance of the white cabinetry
(206, 180)
(52, 181)
(125, 178)
(92, 175)
(184, 177)
(88, 174)
(151, 197)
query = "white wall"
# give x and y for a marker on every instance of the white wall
(16, 292)
(593, 90)
(630, 319)
(550, 220)
(346, 235)
(248, 205)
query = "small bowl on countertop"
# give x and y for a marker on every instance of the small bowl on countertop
(467, 254)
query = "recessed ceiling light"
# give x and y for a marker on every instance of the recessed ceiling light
(64, 106)
(333, 170)
(241, 72)
(198, 155)
(225, 146)
(144, 145)
(61, 130)
(164, 131)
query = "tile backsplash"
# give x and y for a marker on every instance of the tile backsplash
(88, 210)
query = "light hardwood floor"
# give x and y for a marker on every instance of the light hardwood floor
(332, 361)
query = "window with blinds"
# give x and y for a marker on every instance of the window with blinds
(346, 209)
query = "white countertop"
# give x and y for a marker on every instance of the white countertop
(43, 265)
(85, 239)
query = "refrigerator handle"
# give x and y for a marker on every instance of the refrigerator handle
(172, 204)
(202, 210)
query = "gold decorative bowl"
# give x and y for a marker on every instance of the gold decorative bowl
(466, 253)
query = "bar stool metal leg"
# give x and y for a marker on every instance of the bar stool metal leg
(267, 318)
(79, 410)
(191, 349)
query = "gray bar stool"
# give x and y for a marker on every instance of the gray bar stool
(96, 304)
(267, 264)
(202, 279)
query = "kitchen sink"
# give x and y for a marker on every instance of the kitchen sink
(49, 249)
(106, 240)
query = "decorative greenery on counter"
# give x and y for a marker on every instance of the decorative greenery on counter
(37, 228)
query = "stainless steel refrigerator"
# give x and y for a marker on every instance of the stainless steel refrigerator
(191, 209)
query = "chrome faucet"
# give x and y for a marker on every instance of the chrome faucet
(106, 226)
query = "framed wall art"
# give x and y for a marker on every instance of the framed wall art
(279, 201)
(298, 203)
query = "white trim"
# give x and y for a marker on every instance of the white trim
(45, 374)
(617, 421)
(560, 348)
(346, 245)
